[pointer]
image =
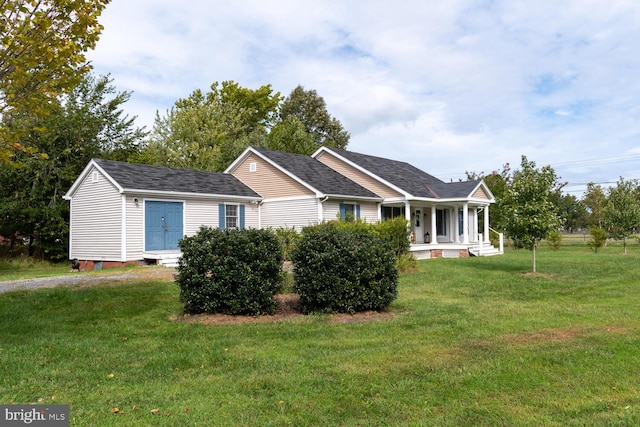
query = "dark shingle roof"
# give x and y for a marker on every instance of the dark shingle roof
(407, 177)
(316, 174)
(133, 176)
(454, 190)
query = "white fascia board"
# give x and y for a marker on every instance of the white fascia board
(135, 192)
(83, 175)
(363, 170)
(290, 198)
(359, 198)
(484, 185)
(239, 159)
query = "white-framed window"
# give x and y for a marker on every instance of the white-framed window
(349, 211)
(231, 216)
(253, 166)
(95, 176)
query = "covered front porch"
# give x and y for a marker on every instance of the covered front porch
(452, 230)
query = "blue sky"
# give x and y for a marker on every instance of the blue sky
(448, 86)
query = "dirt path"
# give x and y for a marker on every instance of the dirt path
(156, 273)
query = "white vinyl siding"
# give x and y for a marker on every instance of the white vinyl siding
(97, 220)
(135, 230)
(205, 212)
(199, 213)
(368, 211)
(297, 213)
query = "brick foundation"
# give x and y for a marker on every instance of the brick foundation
(89, 265)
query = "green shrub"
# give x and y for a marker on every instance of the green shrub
(230, 271)
(344, 269)
(397, 231)
(288, 238)
(555, 239)
(598, 237)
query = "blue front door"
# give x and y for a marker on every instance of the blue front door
(163, 225)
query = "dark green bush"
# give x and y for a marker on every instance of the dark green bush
(344, 269)
(230, 271)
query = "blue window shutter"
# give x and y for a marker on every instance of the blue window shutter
(358, 211)
(241, 216)
(343, 212)
(221, 216)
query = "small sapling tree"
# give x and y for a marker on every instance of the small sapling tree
(529, 211)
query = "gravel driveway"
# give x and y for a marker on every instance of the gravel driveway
(152, 273)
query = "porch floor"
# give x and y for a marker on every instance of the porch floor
(168, 258)
(451, 250)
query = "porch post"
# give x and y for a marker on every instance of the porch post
(476, 230)
(465, 223)
(486, 224)
(456, 226)
(434, 227)
(407, 216)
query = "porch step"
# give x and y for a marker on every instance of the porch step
(166, 259)
(486, 249)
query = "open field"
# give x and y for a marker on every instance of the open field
(477, 341)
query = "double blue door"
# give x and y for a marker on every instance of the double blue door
(163, 225)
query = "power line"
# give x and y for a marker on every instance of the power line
(576, 163)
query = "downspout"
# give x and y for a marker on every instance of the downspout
(320, 210)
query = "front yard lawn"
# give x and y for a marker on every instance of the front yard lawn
(477, 341)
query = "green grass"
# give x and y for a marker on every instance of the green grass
(28, 268)
(475, 341)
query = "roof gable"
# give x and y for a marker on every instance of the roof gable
(409, 179)
(162, 179)
(314, 174)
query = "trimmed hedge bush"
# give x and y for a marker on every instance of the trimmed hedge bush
(344, 269)
(230, 271)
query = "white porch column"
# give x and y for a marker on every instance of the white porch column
(476, 221)
(456, 226)
(407, 216)
(434, 227)
(465, 224)
(486, 224)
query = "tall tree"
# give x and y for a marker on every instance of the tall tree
(529, 211)
(43, 56)
(311, 110)
(572, 211)
(87, 123)
(595, 200)
(622, 212)
(291, 136)
(207, 131)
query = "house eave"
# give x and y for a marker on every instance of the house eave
(349, 197)
(136, 191)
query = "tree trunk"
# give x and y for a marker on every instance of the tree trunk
(534, 257)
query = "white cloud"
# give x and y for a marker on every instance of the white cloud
(448, 86)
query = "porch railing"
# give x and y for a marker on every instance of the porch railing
(500, 239)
